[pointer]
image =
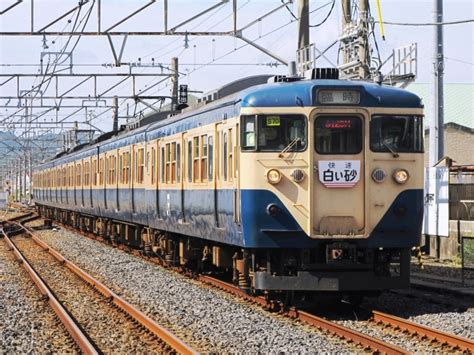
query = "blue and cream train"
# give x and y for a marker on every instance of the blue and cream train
(309, 185)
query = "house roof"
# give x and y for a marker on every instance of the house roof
(458, 102)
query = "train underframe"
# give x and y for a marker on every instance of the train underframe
(335, 267)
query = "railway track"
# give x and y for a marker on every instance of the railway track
(97, 319)
(435, 339)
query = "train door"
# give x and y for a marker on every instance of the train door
(117, 170)
(339, 178)
(132, 178)
(234, 134)
(180, 148)
(103, 185)
(219, 180)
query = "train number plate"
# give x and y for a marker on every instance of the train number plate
(339, 173)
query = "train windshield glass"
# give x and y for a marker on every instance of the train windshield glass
(338, 135)
(396, 134)
(273, 133)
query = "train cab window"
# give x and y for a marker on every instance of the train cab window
(210, 145)
(338, 135)
(274, 133)
(396, 134)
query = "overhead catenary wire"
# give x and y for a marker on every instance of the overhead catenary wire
(445, 23)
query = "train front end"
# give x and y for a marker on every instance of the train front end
(331, 185)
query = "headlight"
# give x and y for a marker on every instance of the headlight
(401, 176)
(273, 176)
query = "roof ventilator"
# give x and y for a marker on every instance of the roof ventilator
(325, 73)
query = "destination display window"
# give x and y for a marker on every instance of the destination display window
(396, 134)
(338, 135)
(274, 133)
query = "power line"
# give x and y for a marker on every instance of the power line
(428, 23)
(327, 16)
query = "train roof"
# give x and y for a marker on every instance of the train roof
(282, 94)
(304, 93)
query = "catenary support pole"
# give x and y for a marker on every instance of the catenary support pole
(437, 95)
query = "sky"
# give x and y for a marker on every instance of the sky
(205, 63)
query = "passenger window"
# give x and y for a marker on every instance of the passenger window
(178, 162)
(190, 161)
(204, 153)
(211, 158)
(153, 165)
(231, 156)
(338, 135)
(173, 163)
(167, 163)
(163, 165)
(224, 156)
(196, 160)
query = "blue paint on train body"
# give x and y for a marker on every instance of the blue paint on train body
(400, 227)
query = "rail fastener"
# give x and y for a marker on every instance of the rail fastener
(452, 340)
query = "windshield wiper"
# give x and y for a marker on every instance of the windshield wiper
(289, 146)
(394, 153)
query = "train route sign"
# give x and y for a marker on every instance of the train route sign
(339, 173)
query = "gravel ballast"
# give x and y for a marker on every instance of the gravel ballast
(27, 323)
(201, 314)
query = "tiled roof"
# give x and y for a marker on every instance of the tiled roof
(458, 102)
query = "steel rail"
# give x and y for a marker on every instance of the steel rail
(433, 334)
(348, 334)
(71, 326)
(169, 338)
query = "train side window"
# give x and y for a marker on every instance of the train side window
(153, 165)
(204, 153)
(173, 162)
(163, 164)
(126, 163)
(86, 174)
(231, 156)
(190, 161)
(224, 156)
(178, 162)
(94, 172)
(101, 171)
(168, 164)
(64, 178)
(78, 175)
(196, 159)
(211, 157)
(140, 165)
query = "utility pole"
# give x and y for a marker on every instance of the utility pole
(303, 23)
(437, 97)
(364, 72)
(116, 113)
(346, 22)
(175, 82)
